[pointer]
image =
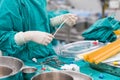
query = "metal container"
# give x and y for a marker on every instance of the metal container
(53, 76)
(78, 75)
(29, 72)
(4, 71)
(11, 66)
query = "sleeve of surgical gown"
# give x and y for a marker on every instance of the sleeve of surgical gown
(7, 43)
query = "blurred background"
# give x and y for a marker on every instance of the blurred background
(88, 12)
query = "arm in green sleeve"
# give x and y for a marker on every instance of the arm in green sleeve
(7, 28)
(7, 43)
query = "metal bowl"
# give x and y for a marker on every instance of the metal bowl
(4, 71)
(53, 76)
(29, 72)
(13, 65)
(78, 75)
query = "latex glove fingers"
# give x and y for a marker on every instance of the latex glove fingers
(35, 36)
(70, 19)
(72, 16)
(50, 35)
(44, 39)
(74, 19)
(70, 22)
(47, 40)
(50, 39)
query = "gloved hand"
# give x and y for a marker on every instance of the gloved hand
(70, 19)
(35, 36)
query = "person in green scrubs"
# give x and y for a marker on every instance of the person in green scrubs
(26, 29)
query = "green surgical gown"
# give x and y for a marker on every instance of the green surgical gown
(103, 30)
(24, 15)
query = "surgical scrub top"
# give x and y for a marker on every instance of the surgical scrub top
(24, 15)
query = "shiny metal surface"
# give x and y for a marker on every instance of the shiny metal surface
(29, 72)
(78, 75)
(4, 71)
(53, 76)
(12, 63)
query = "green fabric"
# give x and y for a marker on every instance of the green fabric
(102, 30)
(86, 69)
(24, 15)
